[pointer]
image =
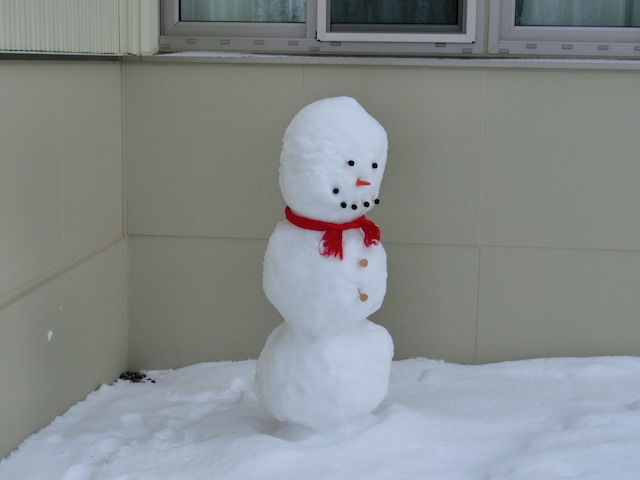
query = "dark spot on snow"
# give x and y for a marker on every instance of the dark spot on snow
(351, 163)
(136, 377)
(343, 205)
(336, 191)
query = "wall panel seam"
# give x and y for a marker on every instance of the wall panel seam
(56, 272)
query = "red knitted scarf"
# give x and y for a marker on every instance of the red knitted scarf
(332, 240)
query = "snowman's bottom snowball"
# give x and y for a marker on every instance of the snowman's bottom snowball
(324, 381)
(294, 432)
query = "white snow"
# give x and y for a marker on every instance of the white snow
(317, 146)
(544, 419)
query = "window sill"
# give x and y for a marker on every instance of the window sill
(391, 61)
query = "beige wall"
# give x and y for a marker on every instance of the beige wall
(63, 258)
(509, 207)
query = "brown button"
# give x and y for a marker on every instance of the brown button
(363, 262)
(363, 296)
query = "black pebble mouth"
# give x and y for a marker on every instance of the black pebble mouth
(354, 206)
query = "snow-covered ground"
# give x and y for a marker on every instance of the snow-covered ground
(544, 419)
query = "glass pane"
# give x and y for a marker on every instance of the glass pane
(281, 11)
(578, 13)
(398, 12)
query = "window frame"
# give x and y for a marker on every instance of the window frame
(507, 38)
(467, 35)
(172, 26)
(300, 38)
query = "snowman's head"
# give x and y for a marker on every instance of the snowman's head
(332, 161)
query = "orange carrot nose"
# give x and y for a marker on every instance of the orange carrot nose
(361, 182)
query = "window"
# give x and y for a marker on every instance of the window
(243, 11)
(323, 26)
(605, 28)
(397, 21)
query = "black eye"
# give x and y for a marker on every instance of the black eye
(351, 163)
(343, 205)
(336, 191)
(374, 165)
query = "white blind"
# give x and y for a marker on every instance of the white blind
(76, 26)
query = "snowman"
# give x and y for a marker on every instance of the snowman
(326, 366)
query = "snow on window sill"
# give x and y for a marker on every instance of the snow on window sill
(448, 62)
